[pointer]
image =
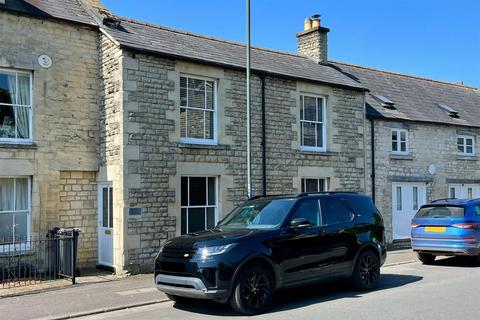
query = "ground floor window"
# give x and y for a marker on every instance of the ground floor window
(198, 203)
(314, 184)
(15, 209)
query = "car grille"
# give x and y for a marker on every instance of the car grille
(172, 266)
(178, 252)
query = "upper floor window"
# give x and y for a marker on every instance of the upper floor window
(198, 119)
(15, 106)
(465, 145)
(399, 141)
(312, 123)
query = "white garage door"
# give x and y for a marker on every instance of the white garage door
(406, 200)
(464, 191)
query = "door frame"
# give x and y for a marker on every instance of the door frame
(100, 187)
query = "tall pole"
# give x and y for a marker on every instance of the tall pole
(249, 164)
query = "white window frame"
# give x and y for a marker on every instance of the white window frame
(464, 145)
(23, 245)
(399, 141)
(303, 182)
(323, 123)
(216, 215)
(188, 140)
(30, 117)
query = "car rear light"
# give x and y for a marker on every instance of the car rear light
(414, 225)
(465, 225)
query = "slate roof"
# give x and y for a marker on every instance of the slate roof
(193, 47)
(415, 98)
(68, 10)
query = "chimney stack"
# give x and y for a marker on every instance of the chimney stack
(312, 41)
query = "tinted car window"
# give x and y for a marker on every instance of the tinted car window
(335, 211)
(310, 210)
(441, 212)
(476, 211)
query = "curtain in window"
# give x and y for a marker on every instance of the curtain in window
(22, 98)
(6, 195)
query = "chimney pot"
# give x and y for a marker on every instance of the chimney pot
(315, 21)
(312, 42)
(307, 24)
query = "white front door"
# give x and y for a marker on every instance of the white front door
(464, 191)
(105, 224)
(406, 200)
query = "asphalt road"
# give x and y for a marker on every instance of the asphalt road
(447, 290)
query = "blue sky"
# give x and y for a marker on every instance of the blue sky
(438, 39)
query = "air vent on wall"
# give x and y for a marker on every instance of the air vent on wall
(451, 112)
(386, 103)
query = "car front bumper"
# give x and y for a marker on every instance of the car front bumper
(189, 287)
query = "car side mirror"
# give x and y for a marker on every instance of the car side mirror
(298, 223)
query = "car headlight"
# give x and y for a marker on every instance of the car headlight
(206, 252)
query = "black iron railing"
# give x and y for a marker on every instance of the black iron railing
(30, 261)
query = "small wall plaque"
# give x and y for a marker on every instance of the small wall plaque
(45, 61)
(135, 211)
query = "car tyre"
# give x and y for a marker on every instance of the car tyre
(253, 290)
(426, 258)
(366, 272)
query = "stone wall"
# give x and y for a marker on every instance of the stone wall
(155, 159)
(78, 209)
(313, 43)
(428, 144)
(65, 107)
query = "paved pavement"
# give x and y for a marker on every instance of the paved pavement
(84, 298)
(447, 290)
(100, 294)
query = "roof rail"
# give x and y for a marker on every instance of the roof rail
(255, 197)
(306, 194)
(443, 199)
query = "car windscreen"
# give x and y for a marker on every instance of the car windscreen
(446, 212)
(258, 214)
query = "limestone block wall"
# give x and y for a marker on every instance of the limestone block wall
(65, 107)
(155, 160)
(78, 209)
(429, 144)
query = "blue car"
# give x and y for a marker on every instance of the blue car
(447, 227)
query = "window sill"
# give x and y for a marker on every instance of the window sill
(401, 156)
(467, 157)
(10, 145)
(319, 153)
(203, 146)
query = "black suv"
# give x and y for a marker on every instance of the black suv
(269, 243)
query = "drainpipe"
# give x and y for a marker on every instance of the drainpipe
(372, 149)
(264, 139)
(365, 173)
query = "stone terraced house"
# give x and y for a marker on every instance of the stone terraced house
(424, 142)
(136, 133)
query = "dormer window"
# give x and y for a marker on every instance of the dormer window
(451, 112)
(386, 103)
